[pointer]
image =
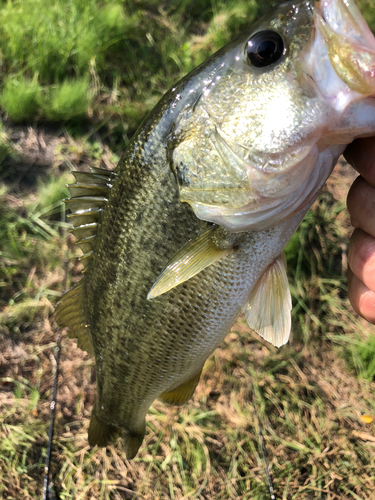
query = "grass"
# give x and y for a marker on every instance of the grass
(79, 77)
(70, 99)
(317, 445)
(109, 62)
(126, 53)
(21, 99)
(30, 254)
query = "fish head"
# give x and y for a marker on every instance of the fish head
(255, 127)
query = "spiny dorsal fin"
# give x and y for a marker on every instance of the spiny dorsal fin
(85, 202)
(88, 196)
(269, 305)
(85, 230)
(110, 174)
(86, 244)
(195, 256)
(70, 312)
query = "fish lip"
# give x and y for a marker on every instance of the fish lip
(349, 42)
(344, 17)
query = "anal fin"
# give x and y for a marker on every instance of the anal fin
(182, 393)
(268, 311)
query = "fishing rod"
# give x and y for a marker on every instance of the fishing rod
(47, 487)
(48, 491)
(263, 446)
(269, 479)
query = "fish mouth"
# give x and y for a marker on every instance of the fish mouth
(349, 44)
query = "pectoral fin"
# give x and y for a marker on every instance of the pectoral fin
(195, 256)
(181, 394)
(269, 306)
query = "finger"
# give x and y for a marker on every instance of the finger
(361, 298)
(361, 257)
(361, 205)
(361, 154)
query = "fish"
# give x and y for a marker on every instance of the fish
(189, 230)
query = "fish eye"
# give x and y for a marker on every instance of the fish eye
(264, 48)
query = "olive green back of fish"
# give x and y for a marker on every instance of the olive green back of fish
(145, 349)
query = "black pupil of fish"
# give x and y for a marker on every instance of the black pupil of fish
(264, 48)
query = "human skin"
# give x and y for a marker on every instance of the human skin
(361, 206)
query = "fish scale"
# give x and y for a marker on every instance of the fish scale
(190, 228)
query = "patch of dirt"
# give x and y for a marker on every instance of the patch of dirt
(36, 151)
(339, 182)
(224, 390)
(33, 156)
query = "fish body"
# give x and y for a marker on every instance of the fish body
(190, 228)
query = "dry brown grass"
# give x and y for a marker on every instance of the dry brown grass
(308, 405)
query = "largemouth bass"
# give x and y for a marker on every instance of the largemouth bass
(189, 230)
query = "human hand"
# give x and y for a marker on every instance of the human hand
(361, 206)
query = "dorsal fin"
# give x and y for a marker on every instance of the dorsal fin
(70, 312)
(88, 196)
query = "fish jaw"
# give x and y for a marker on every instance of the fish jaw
(341, 59)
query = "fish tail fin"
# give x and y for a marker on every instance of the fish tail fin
(132, 442)
(100, 433)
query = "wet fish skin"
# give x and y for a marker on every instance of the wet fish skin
(145, 349)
